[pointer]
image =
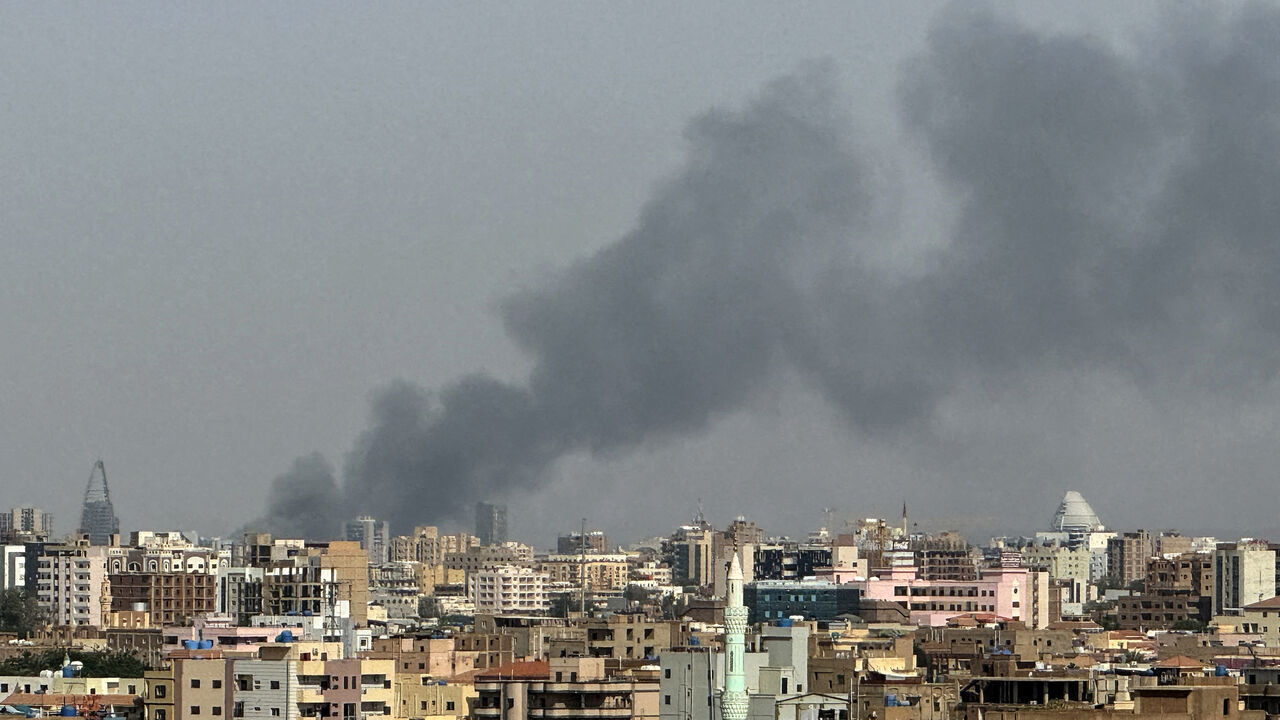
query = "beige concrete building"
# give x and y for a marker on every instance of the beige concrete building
(322, 578)
(69, 583)
(566, 689)
(1262, 618)
(419, 697)
(599, 572)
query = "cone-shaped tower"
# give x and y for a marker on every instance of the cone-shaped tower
(98, 517)
(733, 703)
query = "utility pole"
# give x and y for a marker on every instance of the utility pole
(582, 569)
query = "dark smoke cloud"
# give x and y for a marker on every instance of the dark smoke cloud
(304, 502)
(1116, 210)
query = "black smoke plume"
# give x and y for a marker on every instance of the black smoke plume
(1116, 209)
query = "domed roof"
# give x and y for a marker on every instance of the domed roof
(1075, 515)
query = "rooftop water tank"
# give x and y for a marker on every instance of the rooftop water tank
(68, 711)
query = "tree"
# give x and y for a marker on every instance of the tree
(562, 604)
(637, 594)
(20, 612)
(95, 664)
(428, 607)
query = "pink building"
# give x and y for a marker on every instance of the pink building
(1012, 593)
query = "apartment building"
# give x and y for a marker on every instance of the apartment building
(426, 545)
(329, 578)
(1128, 555)
(509, 589)
(70, 581)
(1014, 593)
(599, 572)
(566, 689)
(170, 598)
(1244, 573)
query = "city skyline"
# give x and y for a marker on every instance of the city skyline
(226, 242)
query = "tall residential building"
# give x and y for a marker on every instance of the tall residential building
(510, 590)
(1244, 573)
(373, 535)
(70, 583)
(1128, 555)
(25, 522)
(428, 546)
(688, 552)
(329, 579)
(169, 598)
(98, 516)
(491, 523)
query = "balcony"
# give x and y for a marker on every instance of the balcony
(563, 712)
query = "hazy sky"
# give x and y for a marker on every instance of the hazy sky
(225, 227)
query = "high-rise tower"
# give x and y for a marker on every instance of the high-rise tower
(98, 517)
(733, 702)
(491, 523)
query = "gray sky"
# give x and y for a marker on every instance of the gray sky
(224, 228)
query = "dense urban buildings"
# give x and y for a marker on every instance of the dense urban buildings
(871, 619)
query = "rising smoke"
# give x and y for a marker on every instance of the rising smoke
(1116, 210)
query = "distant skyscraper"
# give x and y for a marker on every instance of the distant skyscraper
(491, 523)
(1075, 515)
(25, 522)
(98, 517)
(373, 536)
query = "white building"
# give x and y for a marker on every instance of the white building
(1244, 573)
(509, 589)
(69, 583)
(15, 567)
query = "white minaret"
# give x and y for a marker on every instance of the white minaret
(733, 702)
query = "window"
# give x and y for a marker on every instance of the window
(275, 712)
(160, 691)
(423, 704)
(158, 714)
(275, 684)
(448, 705)
(195, 682)
(217, 710)
(195, 710)
(217, 684)
(666, 699)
